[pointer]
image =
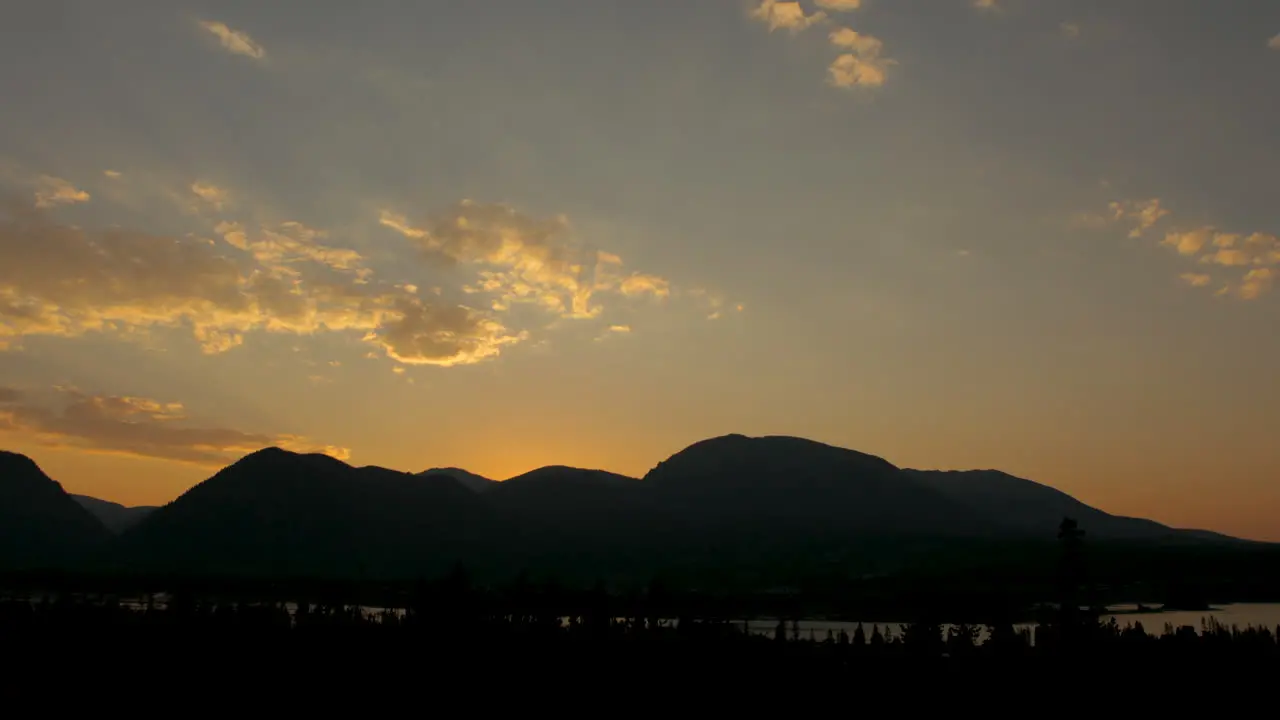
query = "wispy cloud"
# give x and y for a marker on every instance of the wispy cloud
(288, 243)
(425, 333)
(215, 196)
(52, 191)
(986, 4)
(839, 5)
(612, 331)
(786, 15)
(1144, 213)
(141, 427)
(63, 281)
(862, 65)
(523, 259)
(1274, 43)
(713, 303)
(1188, 243)
(236, 42)
(1255, 256)
(1069, 30)
(1256, 282)
(861, 61)
(113, 174)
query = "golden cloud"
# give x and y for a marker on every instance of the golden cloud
(1274, 43)
(234, 41)
(860, 62)
(839, 5)
(1190, 242)
(52, 191)
(58, 280)
(135, 426)
(785, 15)
(1145, 213)
(524, 260)
(1260, 252)
(863, 65)
(212, 194)
(986, 4)
(443, 335)
(1256, 282)
(290, 242)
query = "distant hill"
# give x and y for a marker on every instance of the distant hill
(116, 517)
(469, 480)
(40, 524)
(560, 515)
(279, 513)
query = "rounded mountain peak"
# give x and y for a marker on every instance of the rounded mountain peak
(772, 454)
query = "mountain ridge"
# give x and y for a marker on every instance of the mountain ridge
(276, 512)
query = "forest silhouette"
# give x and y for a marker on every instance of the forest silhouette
(525, 622)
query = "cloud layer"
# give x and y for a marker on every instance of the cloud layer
(59, 280)
(134, 426)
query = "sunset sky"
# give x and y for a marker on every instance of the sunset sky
(1033, 235)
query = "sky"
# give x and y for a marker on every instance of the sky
(1032, 235)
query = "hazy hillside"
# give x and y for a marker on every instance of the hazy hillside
(116, 517)
(1028, 507)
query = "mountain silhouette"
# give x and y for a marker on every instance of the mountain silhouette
(792, 485)
(723, 502)
(278, 513)
(40, 524)
(116, 517)
(469, 480)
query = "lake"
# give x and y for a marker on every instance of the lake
(1241, 615)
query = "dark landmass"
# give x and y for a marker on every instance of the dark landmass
(40, 524)
(827, 529)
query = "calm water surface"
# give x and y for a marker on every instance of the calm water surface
(1241, 615)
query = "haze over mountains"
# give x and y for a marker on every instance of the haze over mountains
(724, 502)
